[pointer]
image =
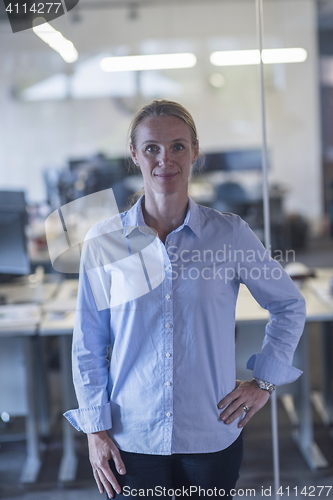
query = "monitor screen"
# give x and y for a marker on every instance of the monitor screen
(247, 159)
(14, 258)
(12, 201)
(214, 162)
(233, 161)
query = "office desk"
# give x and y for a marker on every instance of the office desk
(20, 322)
(298, 408)
(29, 292)
(24, 331)
(317, 311)
(58, 319)
(323, 399)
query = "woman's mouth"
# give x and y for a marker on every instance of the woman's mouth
(167, 175)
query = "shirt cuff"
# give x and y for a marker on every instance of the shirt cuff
(93, 419)
(272, 370)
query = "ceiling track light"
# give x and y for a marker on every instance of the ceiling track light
(56, 41)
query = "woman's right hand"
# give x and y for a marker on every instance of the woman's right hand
(101, 450)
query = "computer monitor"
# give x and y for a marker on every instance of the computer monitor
(243, 159)
(12, 201)
(234, 160)
(14, 259)
(214, 162)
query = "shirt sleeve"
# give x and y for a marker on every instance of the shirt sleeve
(274, 290)
(91, 338)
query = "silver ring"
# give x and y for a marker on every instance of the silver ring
(245, 408)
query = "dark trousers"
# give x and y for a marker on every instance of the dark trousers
(192, 476)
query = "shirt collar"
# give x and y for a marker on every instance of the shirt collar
(134, 218)
(192, 219)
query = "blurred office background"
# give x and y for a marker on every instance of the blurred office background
(63, 135)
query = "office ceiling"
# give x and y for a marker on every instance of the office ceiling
(28, 60)
(325, 7)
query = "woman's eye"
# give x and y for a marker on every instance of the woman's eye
(179, 147)
(151, 149)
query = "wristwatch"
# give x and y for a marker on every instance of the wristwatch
(265, 386)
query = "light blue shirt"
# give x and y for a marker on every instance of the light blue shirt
(168, 311)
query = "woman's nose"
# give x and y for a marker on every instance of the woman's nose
(165, 157)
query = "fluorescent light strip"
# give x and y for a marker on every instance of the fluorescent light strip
(235, 57)
(56, 41)
(276, 56)
(248, 57)
(151, 62)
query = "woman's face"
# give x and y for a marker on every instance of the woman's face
(165, 154)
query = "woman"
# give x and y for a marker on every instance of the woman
(166, 416)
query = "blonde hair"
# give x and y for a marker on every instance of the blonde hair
(162, 107)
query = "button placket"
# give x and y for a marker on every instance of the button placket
(168, 344)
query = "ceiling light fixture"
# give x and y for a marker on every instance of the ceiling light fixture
(276, 56)
(248, 57)
(56, 41)
(151, 62)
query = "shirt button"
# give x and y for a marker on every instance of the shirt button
(169, 242)
(169, 414)
(168, 384)
(167, 297)
(168, 325)
(167, 268)
(168, 354)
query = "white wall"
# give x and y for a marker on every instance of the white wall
(35, 135)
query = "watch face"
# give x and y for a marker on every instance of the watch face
(266, 386)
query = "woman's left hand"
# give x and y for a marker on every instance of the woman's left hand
(246, 394)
